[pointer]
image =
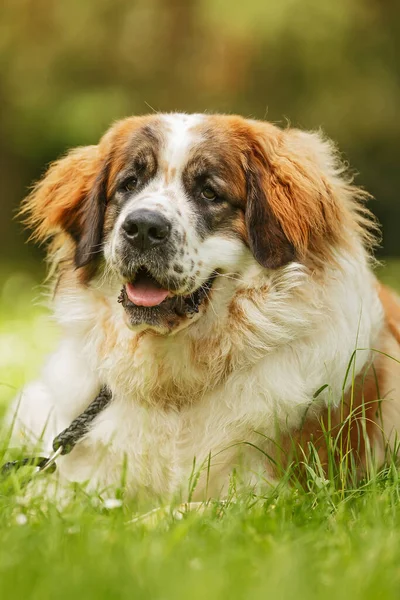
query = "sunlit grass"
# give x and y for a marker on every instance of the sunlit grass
(321, 540)
(26, 330)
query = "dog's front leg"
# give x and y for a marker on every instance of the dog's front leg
(45, 407)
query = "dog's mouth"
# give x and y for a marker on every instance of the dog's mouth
(145, 290)
(148, 301)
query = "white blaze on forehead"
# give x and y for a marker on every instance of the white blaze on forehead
(180, 135)
(179, 139)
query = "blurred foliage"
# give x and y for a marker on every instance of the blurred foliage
(71, 68)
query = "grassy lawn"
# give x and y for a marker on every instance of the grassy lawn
(288, 543)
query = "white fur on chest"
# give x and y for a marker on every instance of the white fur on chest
(301, 337)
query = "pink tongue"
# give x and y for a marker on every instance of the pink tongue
(145, 293)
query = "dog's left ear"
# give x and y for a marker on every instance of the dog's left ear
(297, 199)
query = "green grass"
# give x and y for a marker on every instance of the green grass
(317, 542)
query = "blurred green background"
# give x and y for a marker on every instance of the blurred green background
(68, 69)
(71, 68)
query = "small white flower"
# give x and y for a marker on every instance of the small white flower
(21, 519)
(111, 503)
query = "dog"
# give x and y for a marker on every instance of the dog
(215, 272)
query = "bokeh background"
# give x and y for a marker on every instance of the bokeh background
(70, 68)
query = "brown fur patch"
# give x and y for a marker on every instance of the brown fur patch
(208, 354)
(239, 227)
(55, 203)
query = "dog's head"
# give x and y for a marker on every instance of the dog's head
(168, 203)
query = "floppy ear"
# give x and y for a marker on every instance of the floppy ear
(92, 220)
(268, 243)
(299, 204)
(71, 199)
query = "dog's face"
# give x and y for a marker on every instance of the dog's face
(174, 219)
(169, 203)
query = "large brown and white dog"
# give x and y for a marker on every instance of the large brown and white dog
(214, 273)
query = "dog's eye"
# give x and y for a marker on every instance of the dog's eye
(129, 185)
(208, 194)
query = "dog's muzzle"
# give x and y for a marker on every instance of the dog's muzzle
(154, 291)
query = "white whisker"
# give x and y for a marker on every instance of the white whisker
(209, 299)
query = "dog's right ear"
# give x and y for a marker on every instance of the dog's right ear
(70, 199)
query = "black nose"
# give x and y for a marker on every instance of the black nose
(145, 229)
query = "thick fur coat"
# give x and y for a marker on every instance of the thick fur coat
(240, 255)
